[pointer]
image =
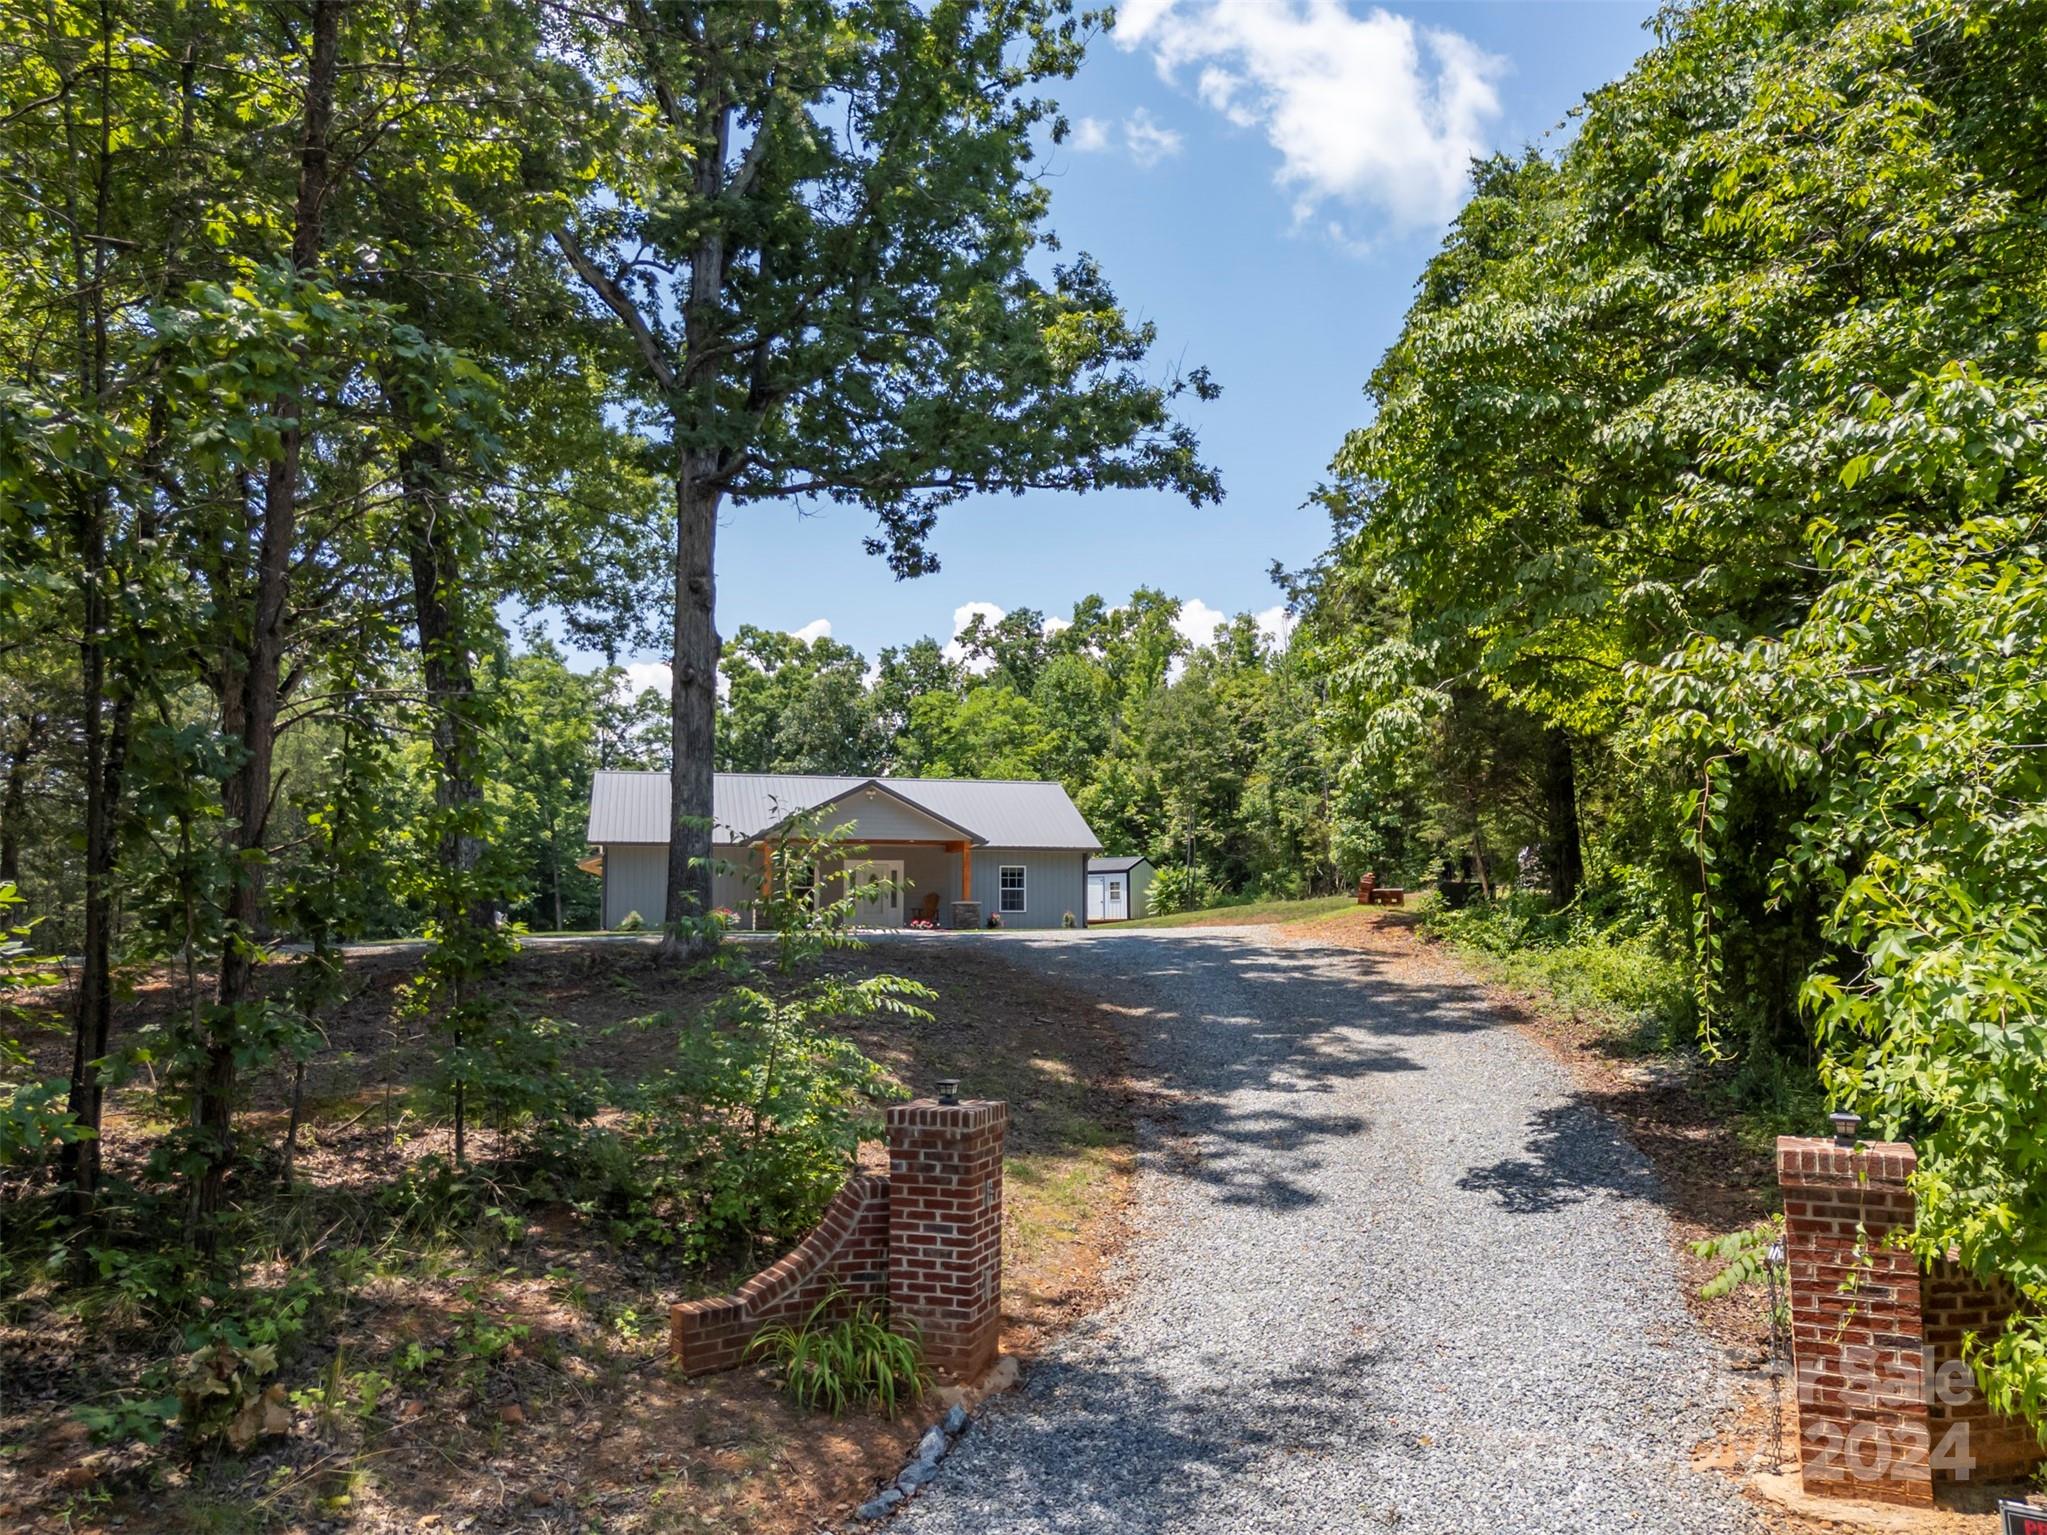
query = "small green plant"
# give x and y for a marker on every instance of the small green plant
(632, 922)
(827, 1364)
(1069, 920)
(1744, 1258)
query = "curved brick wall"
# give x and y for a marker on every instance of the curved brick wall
(849, 1248)
(927, 1240)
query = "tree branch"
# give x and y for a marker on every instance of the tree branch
(620, 303)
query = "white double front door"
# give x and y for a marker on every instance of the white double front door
(878, 883)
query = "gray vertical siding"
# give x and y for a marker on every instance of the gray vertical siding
(636, 880)
(1055, 883)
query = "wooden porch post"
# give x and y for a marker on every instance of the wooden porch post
(966, 871)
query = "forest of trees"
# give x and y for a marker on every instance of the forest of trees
(349, 351)
(1690, 535)
(1206, 758)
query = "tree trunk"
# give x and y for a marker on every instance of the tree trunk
(105, 752)
(1565, 855)
(14, 798)
(247, 793)
(554, 867)
(434, 552)
(106, 741)
(693, 706)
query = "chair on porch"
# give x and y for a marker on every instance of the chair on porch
(927, 910)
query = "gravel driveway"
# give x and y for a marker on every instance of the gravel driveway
(1389, 1275)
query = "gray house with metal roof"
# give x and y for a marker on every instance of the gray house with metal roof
(952, 851)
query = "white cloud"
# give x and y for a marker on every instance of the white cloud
(1089, 136)
(1367, 110)
(963, 615)
(990, 614)
(816, 629)
(1276, 623)
(641, 675)
(1198, 622)
(1147, 140)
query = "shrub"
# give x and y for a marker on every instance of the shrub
(1624, 970)
(747, 1137)
(35, 1118)
(632, 922)
(1178, 888)
(995, 919)
(1069, 920)
(825, 1365)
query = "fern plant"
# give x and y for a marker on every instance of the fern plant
(827, 1365)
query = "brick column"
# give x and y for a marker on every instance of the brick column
(945, 1230)
(1857, 1336)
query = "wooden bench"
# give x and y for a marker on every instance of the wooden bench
(1372, 893)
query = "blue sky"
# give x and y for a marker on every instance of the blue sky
(1263, 179)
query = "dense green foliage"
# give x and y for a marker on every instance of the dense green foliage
(1694, 543)
(354, 356)
(1205, 758)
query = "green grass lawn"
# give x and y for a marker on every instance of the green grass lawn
(1251, 913)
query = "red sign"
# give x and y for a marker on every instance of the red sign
(2022, 1519)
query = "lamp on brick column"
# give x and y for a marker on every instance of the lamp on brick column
(948, 1091)
(1845, 1126)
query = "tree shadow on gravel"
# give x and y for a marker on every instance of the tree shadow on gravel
(1244, 1085)
(1089, 1444)
(1575, 1154)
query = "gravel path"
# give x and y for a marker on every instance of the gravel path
(1389, 1275)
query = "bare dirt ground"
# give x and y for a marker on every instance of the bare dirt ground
(524, 1383)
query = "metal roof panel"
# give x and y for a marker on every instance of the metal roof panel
(633, 807)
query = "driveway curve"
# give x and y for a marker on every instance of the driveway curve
(1389, 1274)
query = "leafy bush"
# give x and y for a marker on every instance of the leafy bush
(218, 1389)
(1908, 705)
(632, 922)
(1623, 973)
(1743, 1256)
(35, 1117)
(827, 1364)
(1178, 888)
(746, 1138)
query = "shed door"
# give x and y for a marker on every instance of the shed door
(1095, 897)
(1115, 906)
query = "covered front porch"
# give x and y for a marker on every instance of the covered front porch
(914, 882)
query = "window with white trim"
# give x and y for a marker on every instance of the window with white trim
(1012, 888)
